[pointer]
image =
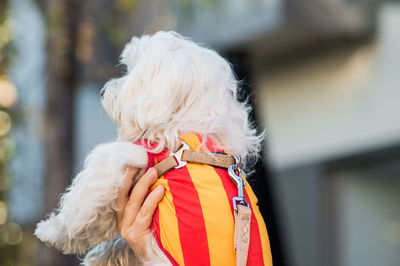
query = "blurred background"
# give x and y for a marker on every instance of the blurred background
(322, 75)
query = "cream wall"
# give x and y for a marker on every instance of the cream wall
(339, 103)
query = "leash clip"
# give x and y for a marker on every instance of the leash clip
(178, 155)
(237, 176)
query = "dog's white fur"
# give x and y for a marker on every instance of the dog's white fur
(172, 86)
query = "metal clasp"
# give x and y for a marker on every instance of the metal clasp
(237, 176)
(178, 155)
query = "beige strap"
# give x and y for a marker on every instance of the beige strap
(165, 165)
(242, 234)
(215, 159)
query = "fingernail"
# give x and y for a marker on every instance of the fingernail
(159, 187)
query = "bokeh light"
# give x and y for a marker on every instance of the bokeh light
(8, 93)
(11, 234)
(3, 212)
(5, 123)
(6, 149)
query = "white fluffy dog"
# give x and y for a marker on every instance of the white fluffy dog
(172, 86)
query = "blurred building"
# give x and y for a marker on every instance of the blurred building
(332, 115)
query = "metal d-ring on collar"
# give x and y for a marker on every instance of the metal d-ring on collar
(178, 155)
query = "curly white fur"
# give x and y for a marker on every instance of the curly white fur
(172, 86)
(74, 226)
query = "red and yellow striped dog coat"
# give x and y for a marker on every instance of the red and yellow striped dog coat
(194, 222)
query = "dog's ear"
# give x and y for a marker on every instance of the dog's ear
(86, 213)
(53, 232)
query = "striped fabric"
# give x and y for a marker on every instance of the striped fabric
(194, 222)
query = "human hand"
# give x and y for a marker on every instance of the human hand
(136, 210)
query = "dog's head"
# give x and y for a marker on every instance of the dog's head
(172, 86)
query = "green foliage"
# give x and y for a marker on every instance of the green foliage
(127, 5)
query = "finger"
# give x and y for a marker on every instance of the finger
(123, 192)
(145, 216)
(137, 197)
